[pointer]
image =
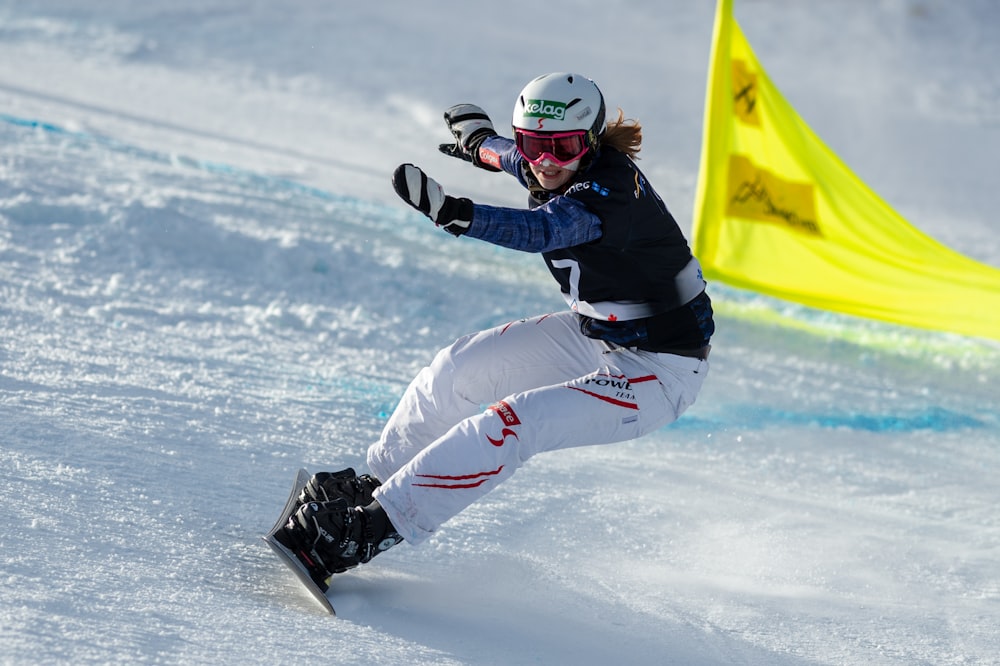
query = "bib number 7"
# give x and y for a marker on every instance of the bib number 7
(574, 279)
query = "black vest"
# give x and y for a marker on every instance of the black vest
(640, 269)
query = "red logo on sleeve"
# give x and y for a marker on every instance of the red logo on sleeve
(489, 157)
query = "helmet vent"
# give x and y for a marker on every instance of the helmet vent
(573, 102)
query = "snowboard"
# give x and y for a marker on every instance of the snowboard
(287, 556)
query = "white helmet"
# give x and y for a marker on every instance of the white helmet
(561, 102)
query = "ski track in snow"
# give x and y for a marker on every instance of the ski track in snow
(191, 311)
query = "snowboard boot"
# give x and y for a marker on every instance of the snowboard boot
(302, 544)
(332, 537)
(328, 486)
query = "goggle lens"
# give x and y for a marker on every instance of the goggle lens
(559, 147)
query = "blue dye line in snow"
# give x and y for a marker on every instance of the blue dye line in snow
(38, 124)
(374, 212)
(755, 417)
(211, 167)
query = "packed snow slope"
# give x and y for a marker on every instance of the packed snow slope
(206, 283)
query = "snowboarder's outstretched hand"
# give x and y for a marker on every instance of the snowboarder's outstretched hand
(470, 126)
(426, 195)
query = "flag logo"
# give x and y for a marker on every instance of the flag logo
(745, 94)
(758, 194)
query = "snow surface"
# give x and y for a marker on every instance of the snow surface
(206, 282)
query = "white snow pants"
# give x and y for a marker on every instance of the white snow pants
(548, 387)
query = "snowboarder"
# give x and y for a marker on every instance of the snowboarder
(628, 356)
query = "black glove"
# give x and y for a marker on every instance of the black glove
(470, 126)
(427, 196)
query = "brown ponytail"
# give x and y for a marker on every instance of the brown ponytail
(623, 135)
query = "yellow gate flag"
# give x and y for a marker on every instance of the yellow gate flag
(777, 212)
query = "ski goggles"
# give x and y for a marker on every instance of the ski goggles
(558, 147)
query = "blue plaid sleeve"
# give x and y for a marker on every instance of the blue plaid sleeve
(560, 223)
